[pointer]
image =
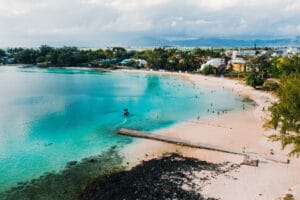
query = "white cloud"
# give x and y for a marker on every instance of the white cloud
(95, 22)
(15, 7)
(215, 4)
(287, 29)
(295, 6)
(128, 23)
(175, 21)
(127, 5)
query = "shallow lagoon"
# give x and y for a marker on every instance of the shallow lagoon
(52, 116)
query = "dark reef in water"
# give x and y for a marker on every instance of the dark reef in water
(104, 177)
(161, 178)
(68, 183)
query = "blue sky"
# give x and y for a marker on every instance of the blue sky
(116, 22)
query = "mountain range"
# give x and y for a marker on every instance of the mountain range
(216, 42)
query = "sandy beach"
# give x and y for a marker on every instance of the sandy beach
(236, 130)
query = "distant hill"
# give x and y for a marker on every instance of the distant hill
(217, 42)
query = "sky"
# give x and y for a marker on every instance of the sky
(96, 23)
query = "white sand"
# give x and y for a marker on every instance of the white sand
(236, 130)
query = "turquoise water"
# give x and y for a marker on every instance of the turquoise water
(51, 116)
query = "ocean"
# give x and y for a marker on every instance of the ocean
(49, 117)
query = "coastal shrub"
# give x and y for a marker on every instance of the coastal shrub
(232, 74)
(288, 197)
(209, 70)
(2, 53)
(254, 81)
(270, 85)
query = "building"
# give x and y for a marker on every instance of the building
(137, 62)
(141, 62)
(110, 61)
(285, 52)
(237, 65)
(243, 53)
(278, 52)
(215, 62)
(292, 51)
(126, 61)
(228, 53)
(10, 60)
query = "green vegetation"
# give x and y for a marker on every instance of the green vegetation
(174, 60)
(159, 58)
(259, 71)
(2, 53)
(289, 65)
(66, 56)
(285, 81)
(288, 197)
(270, 85)
(254, 80)
(209, 70)
(286, 113)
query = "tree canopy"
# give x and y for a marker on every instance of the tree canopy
(286, 113)
(171, 59)
(209, 70)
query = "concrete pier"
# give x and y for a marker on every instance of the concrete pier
(177, 141)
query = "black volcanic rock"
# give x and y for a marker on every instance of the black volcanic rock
(160, 178)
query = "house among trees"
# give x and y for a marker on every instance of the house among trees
(109, 61)
(237, 65)
(134, 62)
(10, 60)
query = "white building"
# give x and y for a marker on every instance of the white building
(139, 62)
(292, 51)
(278, 52)
(243, 53)
(215, 62)
(285, 52)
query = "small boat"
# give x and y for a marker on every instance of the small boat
(126, 112)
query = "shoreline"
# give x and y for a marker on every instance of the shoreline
(236, 130)
(260, 98)
(239, 130)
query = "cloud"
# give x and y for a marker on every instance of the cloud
(129, 5)
(215, 5)
(295, 6)
(14, 7)
(103, 22)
